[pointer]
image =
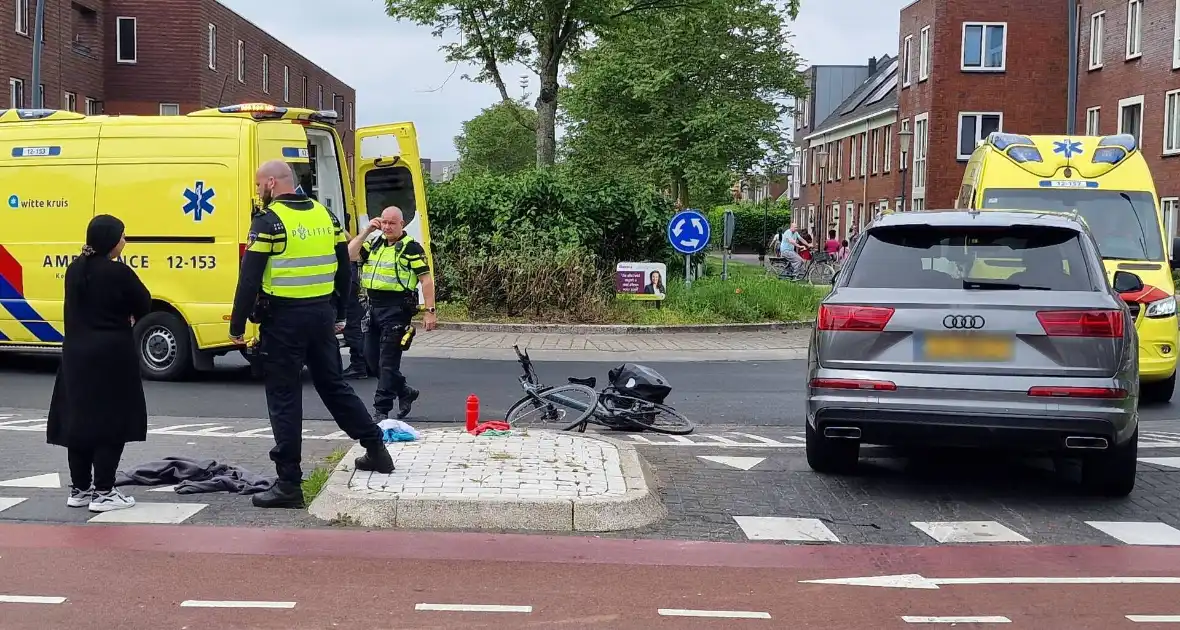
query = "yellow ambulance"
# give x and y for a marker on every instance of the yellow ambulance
(184, 187)
(1106, 181)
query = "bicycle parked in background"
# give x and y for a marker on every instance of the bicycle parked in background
(632, 402)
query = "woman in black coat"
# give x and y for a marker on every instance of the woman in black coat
(98, 404)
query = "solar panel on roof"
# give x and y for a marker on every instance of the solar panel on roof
(883, 91)
(877, 81)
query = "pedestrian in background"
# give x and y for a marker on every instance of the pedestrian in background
(294, 282)
(98, 404)
(393, 267)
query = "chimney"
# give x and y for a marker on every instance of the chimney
(872, 66)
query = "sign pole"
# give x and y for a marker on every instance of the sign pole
(687, 269)
(725, 264)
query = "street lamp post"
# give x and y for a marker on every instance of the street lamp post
(903, 142)
(822, 156)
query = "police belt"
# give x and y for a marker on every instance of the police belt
(382, 296)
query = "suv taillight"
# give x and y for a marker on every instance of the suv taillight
(1107, 324)
(854, 318)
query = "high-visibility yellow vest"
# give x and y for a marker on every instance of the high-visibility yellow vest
(307, 267)
(387, 270)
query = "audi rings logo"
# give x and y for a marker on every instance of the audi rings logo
(963, 322)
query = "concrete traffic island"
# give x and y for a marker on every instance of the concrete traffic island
(529, 480)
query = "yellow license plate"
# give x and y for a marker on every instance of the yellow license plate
(967, 348)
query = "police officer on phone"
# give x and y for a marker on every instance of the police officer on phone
(393, 267)
(293, 283)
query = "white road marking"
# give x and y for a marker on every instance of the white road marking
(197, 603)
(153, 513)
(1154, 618)
(49, 480)
(474, 608)
(969, 532)
(1167, 462)
(741, 463)
(782, 528)
(6, 502)
(717, 614)
(30, 599)
(1136, 533)
(913, 580)
(955, 620)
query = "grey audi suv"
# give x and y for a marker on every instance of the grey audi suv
(969, 328)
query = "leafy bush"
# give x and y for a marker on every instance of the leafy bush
(540, 244)
(753, 223)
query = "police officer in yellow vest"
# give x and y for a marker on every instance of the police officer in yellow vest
(393, 268)
(293, 282)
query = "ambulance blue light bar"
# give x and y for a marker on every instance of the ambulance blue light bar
(1114, 149)
(326, 116)
(1002, 141)
(1021, 154)
(1124, 140)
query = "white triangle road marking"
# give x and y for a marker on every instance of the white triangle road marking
(7, 502)
(742, 463)
(50, 480)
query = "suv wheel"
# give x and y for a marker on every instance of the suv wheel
(826, 455)
(1112, 473)
(1158, 391)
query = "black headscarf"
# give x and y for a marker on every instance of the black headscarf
(102, 236)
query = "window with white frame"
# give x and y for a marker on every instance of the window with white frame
(16, 93)
(888, 149)
(265, 73)
(814, 166)
(1131, 117)
(806, 108)
(875, 148)
(864, 156)
(1093, 117)
(69, 102)
(985, 46)
(126, 46)
(321, 97)
(1134, 29)
(924, 54)
(1097, 31)
(169, 109)
(1169, 206)
(802, 170)
(1176, 39)
(212, 47)
(852, 162)
(1172, 122)
(241, 61)
(906, 56)
(22, 17)
(92, 108)
(974, 127)
(286, 84)
(921, 144)
(839, 159)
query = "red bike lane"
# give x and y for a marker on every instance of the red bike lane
(131, 577)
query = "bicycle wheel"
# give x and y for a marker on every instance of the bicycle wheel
(821, 273)
(650, 416)
(564, 407)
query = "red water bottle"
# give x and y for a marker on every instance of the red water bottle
(472, 412)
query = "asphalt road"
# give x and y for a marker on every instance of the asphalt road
(748, 393)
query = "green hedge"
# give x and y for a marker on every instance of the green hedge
(754, 224)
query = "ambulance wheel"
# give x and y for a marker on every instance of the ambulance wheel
(165, 351)
(1158, 391)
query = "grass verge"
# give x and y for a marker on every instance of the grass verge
(315, 482)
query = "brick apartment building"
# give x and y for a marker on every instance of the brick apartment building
(1129, 82)
(159, 57)
(966, 69)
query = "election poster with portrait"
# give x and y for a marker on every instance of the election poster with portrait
(641, 281)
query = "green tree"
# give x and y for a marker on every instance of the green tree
(540, 34)
(689, 97)
(500, 140)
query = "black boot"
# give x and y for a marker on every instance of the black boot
(356, 371)
(283, 494)
(376, 459)
(405, 402)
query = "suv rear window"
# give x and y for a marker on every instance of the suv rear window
(983, 258)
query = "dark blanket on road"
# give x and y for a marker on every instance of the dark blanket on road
(193, 476)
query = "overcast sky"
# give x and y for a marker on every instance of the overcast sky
(399, 73)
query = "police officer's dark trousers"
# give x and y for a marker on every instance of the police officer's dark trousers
(293, 334)
(388, 319)
(354, 338)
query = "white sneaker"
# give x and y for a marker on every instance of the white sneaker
(80, 498)
(108, 501)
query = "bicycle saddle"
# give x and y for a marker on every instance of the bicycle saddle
(588, 382)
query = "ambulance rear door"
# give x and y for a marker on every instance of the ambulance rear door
(389, 173)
